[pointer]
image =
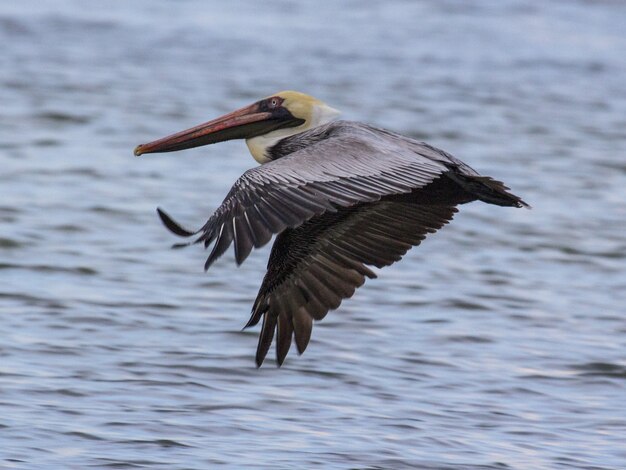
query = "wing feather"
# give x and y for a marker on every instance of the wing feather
(314, 267)
(346, 196)
(353, 164)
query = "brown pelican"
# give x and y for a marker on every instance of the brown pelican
(341, 196)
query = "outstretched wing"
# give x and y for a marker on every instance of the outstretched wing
(312, 268)
(352, 164)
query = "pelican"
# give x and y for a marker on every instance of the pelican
(341, 197)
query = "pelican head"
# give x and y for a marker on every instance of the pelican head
(262, 124)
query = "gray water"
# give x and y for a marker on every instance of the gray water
(499, 343)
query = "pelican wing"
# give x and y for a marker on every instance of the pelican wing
(350, 164)
(314, 267)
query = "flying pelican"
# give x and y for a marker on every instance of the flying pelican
(341, 196)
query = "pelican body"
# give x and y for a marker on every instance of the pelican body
(341, 197)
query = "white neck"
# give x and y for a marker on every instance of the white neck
(320, 114)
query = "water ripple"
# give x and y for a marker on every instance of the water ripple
(497, 344)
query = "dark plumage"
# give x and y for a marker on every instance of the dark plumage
(341, 197)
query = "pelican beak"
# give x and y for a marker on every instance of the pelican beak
(244, 123)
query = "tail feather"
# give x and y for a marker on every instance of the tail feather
(488, 190)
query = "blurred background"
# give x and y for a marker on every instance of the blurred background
(498, 343)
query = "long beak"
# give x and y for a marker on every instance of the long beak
(243, 123)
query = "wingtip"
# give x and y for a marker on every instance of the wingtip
(177, 246)
(265, 338)
(260, 359)
(301, 344)
(240, 257)
(259, 362)
(255, 316)
(172, 225)
(211, 258)
(207, 264)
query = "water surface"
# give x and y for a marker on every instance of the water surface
(499, 343)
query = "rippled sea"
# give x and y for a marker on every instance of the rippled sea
(500, 343)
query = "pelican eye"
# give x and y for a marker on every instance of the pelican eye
(273, 103)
